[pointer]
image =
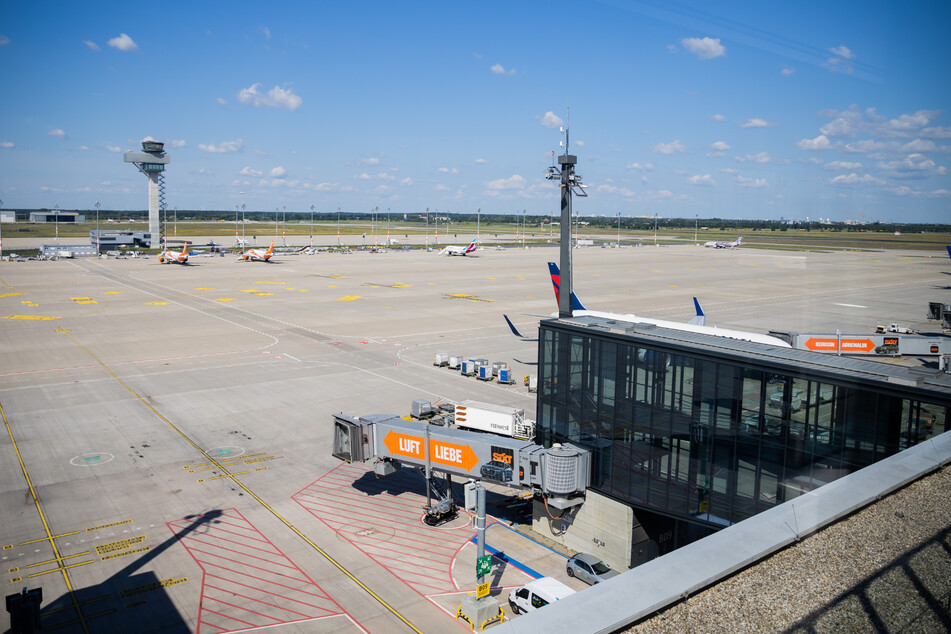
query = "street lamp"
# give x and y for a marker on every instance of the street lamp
(56, 219)
(284, 224)
(97, 228)
(312, 226)
(478, 224)
(1, 227)
(338, 226)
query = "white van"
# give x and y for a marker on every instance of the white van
(538, 593)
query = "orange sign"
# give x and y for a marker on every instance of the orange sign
(444, 453)
(830, 344)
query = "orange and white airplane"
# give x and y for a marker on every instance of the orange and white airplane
(257, 255)
(168, 256)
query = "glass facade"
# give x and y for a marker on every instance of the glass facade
(692, 435)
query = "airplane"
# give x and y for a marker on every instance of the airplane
(697, 324)
(724, 245)
(454, 250)
(257, 255)
(173, 256)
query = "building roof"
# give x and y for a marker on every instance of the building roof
(924, 382)
(867, 552)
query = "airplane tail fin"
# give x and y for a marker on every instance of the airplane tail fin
(949, 251)
(556, 284)
(739, 241)
(270, 249)
(700, 319)
(472, 246)
(185, 248)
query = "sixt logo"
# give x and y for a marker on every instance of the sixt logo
(503, 455)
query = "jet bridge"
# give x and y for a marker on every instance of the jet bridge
(561, 473)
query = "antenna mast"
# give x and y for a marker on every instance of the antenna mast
(570, 182)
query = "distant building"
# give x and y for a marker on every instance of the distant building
(56, 216)
(67, 250)
(114, 239)
(8, 215)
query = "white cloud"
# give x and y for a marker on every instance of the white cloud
(247, 170)
(743, 181)
(720, 146)
(114, 148)
(276, 97)
(267, 32)
(669, 148)
(821, 142)
(903, 190)
(57, 132)
(756, 123)
(579, 143)
(842, 166)
(704, 48)
(512, 182)
(222, 101)
(846, 124)
(225, 147)
(123, 43)
(380, 176)
(498, 69)
(705, 180)
(176, 143)
(408, 182)
(719, 118)
(92, 45)
(613, 189)
(841, 59)
(919, 145)
(481, 161)
(369, 161)
(646, 167)
(938, 132)
(278, 172)
(441, 188)
(912, 166)
(550, 120)
(447, 170)
(908, 124)
(865, 145)
(847, 180)
(6, 144)
(761, 157)
(786, 72)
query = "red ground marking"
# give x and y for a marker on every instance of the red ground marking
(382, 518)
(247, 582)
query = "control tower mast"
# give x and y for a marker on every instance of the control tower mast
(151, 161)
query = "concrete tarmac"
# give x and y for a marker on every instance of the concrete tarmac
(166, 460)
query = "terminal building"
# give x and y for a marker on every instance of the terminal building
(691, 433)
(57, 216)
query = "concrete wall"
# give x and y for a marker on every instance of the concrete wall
(602, 527)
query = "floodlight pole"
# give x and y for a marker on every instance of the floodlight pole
(569, 182)
(312, 226)
(97, 228)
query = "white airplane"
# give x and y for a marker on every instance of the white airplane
(697, 324)
(724, 245)
(168, 256)
(257, 255)
(454, 250)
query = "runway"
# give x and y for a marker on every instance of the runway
(165, 463)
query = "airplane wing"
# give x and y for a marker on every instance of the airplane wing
(700, 319)
(516, 332)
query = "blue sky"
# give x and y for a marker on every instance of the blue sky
(751, 110)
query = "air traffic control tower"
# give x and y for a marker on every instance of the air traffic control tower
(151, 161)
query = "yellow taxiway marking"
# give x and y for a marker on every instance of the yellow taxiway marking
(37, 317)
(460, 295)
(61, 568)
(430, 283)
(49, 533)
(348, 298)
(203, 288)
(33, 541)
(113, 293)
(156, 303)
(13, 294)
(102, 526)
(338, 277)
(237, 482)
(255, 291)
(304, 290)
(331, 286)
(50, 561)
(225, 299)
